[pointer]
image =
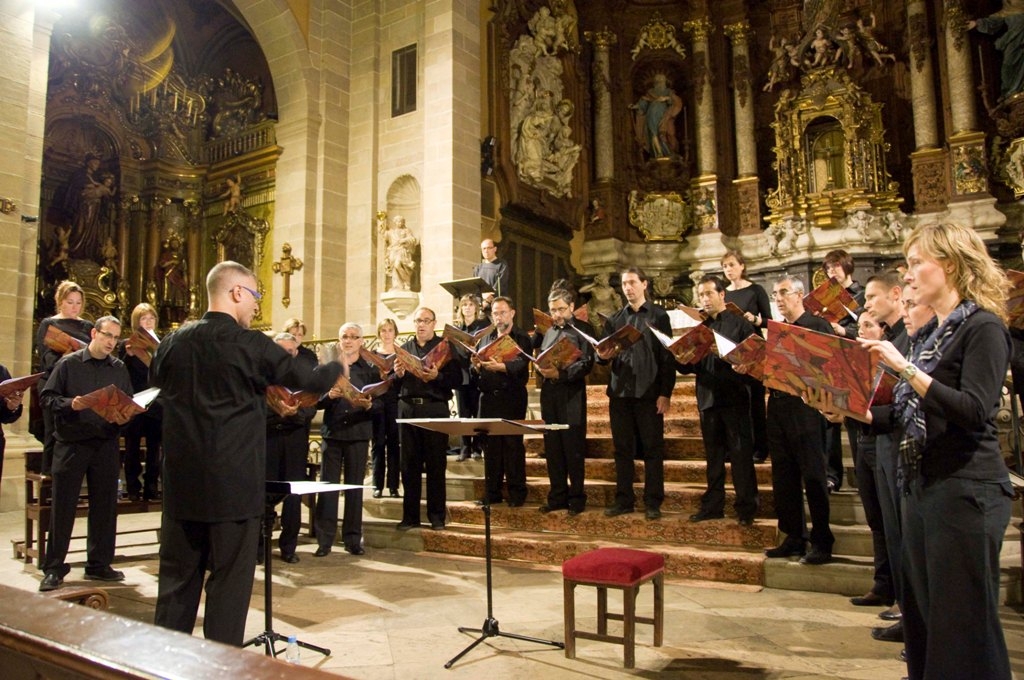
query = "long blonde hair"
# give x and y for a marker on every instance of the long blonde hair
(975, 274)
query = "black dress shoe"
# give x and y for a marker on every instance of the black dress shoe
(545, 509)
(104, 574)
(355, 550)
(377, 493)
(50, 582)
(870, 599)
(652, 513)
(437, 526)
(290, 558)
(394, 493)
(788, 548)
(573, 513)
(893, 633)
(817, 555)
(405, 526)
(322, 551)
(903, 655)
(516, 504)
(616, 510)
(891, 614)
(703, 516)
(746, 521)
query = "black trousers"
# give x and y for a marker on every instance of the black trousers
(726, 431)
(385, 455)
(867, 488)
(97, 461)
(467, 397)
(953, 533)
(137, 429)
(287, 452)
(796, 433)
(335, 456)
(890, 503)
(423, 451)
(187, 550)
(637, 427)
(504, 456)
(759, 420)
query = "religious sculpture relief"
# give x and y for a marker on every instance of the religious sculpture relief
(970, 175)
(657, 34)
(876, 228)
(399, 253)
(660, 216)
(654, 119)
(543, 151)
(171, 276)
(1013, 167)
(781, 237)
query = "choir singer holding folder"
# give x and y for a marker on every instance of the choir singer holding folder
(85, 446)
(213, 375)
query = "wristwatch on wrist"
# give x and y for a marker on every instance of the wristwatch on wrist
(909, 372)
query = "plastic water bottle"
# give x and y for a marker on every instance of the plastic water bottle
(291, 652)
(120, 489)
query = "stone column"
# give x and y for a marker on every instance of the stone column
(958, 69)
(707, 162)
(928, 161)
(604, 157)
(745, 185)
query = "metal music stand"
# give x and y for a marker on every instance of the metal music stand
(498, 427)
(460, 287)
(276, 492)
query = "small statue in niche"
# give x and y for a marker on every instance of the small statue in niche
(233, 194)
(399, 253)
(60, 247)
(109, 254)
(172, 276)
(654, 119)
(597, 213)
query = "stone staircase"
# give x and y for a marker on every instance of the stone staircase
(717, 551)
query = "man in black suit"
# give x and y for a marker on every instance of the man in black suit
(723, 400)
(213, 374)
(796, 438)
(502, 386)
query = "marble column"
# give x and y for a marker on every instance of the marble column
(604, 158)
(742, 95)
(958, 69)
(707, 160)
(922, 85)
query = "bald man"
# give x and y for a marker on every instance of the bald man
(213, 374)
(494, 271)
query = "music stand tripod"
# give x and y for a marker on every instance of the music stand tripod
(276, 492)
(496, 427)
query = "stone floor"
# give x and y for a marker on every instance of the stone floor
(395, 614)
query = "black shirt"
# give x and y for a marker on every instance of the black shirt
(752, 299)
(517, 370)
(214, 374)
(646, 370)
(77, 374)
(342, 420)
(717, 383)
(496, 274)
(576, 371)
(76, 328)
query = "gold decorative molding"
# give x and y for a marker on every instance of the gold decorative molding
(7, 206)
(956, 22)
(738, 32)
(601, 39)
(699, 29)
(660, 216)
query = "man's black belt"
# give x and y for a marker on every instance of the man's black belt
(419, 401)
(780, 394)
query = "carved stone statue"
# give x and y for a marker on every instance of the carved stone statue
(1008, 24)
(654, 119)
(603, 298)
(172, 280)
(233, 194)
(399, 254)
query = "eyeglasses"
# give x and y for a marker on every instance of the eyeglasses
(255, 293)
(422, 321)
(106, 334)
(784, 292)
(351, 337)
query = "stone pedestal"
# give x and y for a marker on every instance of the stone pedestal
(400, 302)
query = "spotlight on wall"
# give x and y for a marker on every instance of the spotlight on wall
(29, 219)
(487, 155)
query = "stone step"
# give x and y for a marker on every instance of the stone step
(685, 471)
(600, 446)
(686, 386)
(698, 563)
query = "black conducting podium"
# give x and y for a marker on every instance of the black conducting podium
(483, 427)
(276, 492)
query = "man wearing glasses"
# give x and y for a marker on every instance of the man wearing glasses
(796, 438)
(85, 446)
(421, 448)
(494, 271)
(212, 375)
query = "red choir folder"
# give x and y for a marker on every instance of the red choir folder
(361, 396)
(1015, 301)
(435, 359)
(384, 364)
(60, 342)
(748, 354)
(142, 344)
(690, 347)
(831, 301)
(503, 348)
(115, 406)
(624, 338)
(283, 400)
(12, 385)
(559, 355)
(798, 358)
(451, 333)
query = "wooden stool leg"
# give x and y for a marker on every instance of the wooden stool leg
(569, 603)
(659, 608)
(602, 610)
(629, 626)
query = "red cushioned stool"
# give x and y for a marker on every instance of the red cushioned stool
(624, 570)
